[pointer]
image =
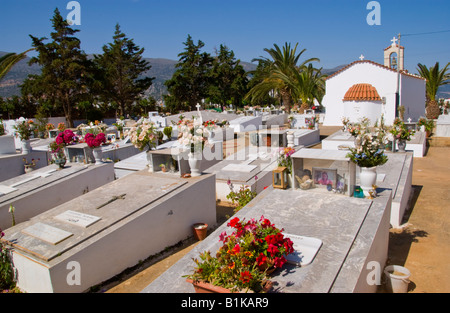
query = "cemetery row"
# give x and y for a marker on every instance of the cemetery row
(79, 224)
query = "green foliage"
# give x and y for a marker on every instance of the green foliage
(229, 79)
(282, 73)
(119, 72)
(168, 132)
(6, 268)
(189, 84)
(241, 197)
(9, 60)
(435, 78)
(65, 72)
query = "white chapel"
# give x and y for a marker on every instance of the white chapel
(368, 89)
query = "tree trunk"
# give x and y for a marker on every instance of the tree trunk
(286, 97)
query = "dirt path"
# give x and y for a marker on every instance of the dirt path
(422, 245)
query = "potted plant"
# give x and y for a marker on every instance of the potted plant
(58, 154)
(24, 129)
(426, 125)
(241, 197)
(29, 167)
(245, 260)
(163, 168)
(95, 142)
(200, 230)
(193, 135)
(401, 133)
(368, 153)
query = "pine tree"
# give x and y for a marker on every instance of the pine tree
(65, 68)
(228, 79)
(189, 84)
(120, 69)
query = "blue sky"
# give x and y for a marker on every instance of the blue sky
(335, 31)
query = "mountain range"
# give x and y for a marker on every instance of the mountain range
(161, 69)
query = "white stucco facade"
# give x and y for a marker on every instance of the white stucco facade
(384, 79)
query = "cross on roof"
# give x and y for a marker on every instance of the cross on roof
(394, 41)
(361, 57)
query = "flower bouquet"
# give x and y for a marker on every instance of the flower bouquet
(24, 129)
(284, 158)
(247, 256)
(369, 145)
(61, 127)
(193, 135)
(400, 131)
(143, 135)
(95, 141)
(428, 124)
(65, 138)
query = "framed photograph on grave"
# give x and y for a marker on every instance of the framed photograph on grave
(325, 177)
(340, 184)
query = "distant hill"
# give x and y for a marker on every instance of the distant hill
(162, 70)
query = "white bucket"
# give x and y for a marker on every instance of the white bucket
(397, 278)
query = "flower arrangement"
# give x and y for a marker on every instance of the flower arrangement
(143, 135)
(193, 135)
(49, 127)
(95, 141)
(57, 150)
(65, 138)
(241, 197)
(32, 164)
(247, 255)
(284, 158)
(6, 268)
(369, 145)
(61, 127)
(400, 131)
(428, 124)
(24, 129)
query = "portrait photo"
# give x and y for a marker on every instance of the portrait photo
(324, 177)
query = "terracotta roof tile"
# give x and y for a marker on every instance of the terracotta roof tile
(361, 92)
(404, 72)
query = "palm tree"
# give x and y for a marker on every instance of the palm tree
(435, 78)
(311, 85)
(280, 74)
(9, 60)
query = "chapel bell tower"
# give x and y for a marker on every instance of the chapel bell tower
(394, 56)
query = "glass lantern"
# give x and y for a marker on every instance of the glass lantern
(280, 177)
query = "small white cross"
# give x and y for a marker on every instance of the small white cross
(198, 107)
(361, 57)
(394, 41)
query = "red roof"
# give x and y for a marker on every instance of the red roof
(404, 72)
(362, 92)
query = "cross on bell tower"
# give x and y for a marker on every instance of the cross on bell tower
(394, 55)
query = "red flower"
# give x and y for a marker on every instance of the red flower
(279, 262)
(234, 222)
(246, 277)
(261, 259)
(272, 249)
(236, 249)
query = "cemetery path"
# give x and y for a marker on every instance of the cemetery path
(420, 245)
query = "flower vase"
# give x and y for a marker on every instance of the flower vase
(368, 178)
(194, 163)
(60, 162)
(290, 140)
(26, 146)
(98, 155)
(200, 230)
(29, 168)
(149, 161)
(401, 144)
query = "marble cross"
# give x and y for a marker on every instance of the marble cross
(394, 41)
(361, 57)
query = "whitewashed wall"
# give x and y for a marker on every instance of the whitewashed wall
(385, 81)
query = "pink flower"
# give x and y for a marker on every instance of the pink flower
(222, 236)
